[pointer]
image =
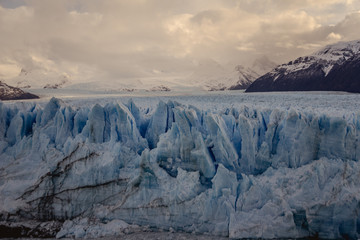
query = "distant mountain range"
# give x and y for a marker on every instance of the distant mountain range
(334, 68)
(12, 93)
(36, 78)
(207, 75)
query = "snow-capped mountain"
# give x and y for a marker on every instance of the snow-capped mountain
(12, 93)
(244, 76)
(213, 76)
(334, 68)
(39, 79)
(206, 75)
(62, 80)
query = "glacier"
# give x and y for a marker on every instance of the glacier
(238, 172)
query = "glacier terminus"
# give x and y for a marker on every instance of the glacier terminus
(235, 169)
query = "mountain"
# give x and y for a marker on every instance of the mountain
(37, 78)
(245, 76)
(12, 93)
(207, 75)
(334, 68)
(213, 76)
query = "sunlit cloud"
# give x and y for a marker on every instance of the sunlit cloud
(106, 40)
(334, 37)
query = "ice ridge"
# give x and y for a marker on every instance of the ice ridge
(241, 173)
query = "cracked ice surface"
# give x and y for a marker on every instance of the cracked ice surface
(224, 168)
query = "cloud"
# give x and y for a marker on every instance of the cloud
(333, 37)
(107, 40)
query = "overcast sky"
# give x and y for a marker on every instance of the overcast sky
(114, 39)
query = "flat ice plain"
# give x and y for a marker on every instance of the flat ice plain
(260, 165)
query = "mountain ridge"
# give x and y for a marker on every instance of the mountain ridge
(13, 93)
(207, 74)
(214, 77)
(324, 70)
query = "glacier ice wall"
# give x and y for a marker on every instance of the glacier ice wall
(240, 172)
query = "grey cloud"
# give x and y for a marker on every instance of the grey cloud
(212, 15)
(12, 3)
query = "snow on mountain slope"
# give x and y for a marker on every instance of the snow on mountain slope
(329, 56)
(12, 93)
(239, 172)
(208, 75)
(37, 78)
(339, 52)
(213, 76)
(243, 77)
(313, 73)
(148, 84)
(41, 79)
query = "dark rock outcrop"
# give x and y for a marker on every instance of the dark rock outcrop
(12, 93)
